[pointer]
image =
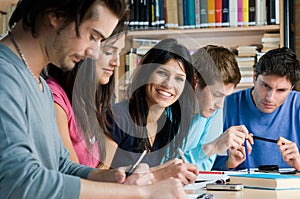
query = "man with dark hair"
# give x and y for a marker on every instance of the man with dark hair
(271, 109)
(33, 161)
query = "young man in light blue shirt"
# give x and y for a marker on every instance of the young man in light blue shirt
(216, 76)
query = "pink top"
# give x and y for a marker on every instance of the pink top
(85, 156)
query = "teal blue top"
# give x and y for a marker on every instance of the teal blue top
(202, 130)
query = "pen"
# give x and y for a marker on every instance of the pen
(211, 172)
(205, 196)
(131, 170)
(247, 157)
(264, 139)
(181, 155)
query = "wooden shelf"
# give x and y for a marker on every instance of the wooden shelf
(195, 38)
(159, 33)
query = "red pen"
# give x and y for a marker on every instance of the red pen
(211, 172)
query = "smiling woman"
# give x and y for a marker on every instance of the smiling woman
(157, 114)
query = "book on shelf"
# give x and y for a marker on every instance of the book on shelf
(252, 13)
(211, 13)
(184, 14)
(240, 12)
(203, 14)
(270, 8)
(191, 14)
(171, 14)
(233, 13)
(272, 181)
(197, 13)
(245, 12)
(261, 17)
(225, 13)
(218, 13)
(180, 14)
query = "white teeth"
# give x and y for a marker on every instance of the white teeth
(165, 93)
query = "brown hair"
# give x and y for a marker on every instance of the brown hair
(209, 58)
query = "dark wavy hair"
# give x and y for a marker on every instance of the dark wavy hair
(281, 62)
(29, 11)
(179, 112)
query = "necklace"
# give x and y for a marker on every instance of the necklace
(22, 57)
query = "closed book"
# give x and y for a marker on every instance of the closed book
(233, 13)
(271, 181)
(252, 13)
(203, 14)
(245, 11)
(180, 14)
(197, 13)
(218, 13)
(191, 14)
(261, 12)
(162, 16)
(270, 6)
(240, 12)
(211, 13)
(225, 13)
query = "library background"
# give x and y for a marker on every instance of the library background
(248, 27)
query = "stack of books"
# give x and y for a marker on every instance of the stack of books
(246, 66)
(270, 41)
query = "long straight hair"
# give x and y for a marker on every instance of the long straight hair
(179, 112)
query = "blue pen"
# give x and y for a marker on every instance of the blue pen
(247, 157)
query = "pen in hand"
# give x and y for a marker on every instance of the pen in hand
(247, 156)
(131, 170)
(181, 155)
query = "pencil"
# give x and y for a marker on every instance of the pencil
(211, 172)
(264, 139)
(131, 170)
(247, 156)
(181, 155)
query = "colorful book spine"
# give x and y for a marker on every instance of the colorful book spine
(245, 11)
(185, 13)
(180, 14)
(233, 13)
(197, 13)
(161, 4)
(211, 13)
(261, 12)
(240, 12)
(203, 14)
(225, 13)
(218, 13)
(191, 14)
(252, 13)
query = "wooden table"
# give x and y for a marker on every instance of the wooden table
(252, 194)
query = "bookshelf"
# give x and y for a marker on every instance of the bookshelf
(230, 37)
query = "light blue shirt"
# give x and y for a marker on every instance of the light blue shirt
(202, 130)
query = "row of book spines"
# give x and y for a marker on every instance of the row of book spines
(201, 13)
